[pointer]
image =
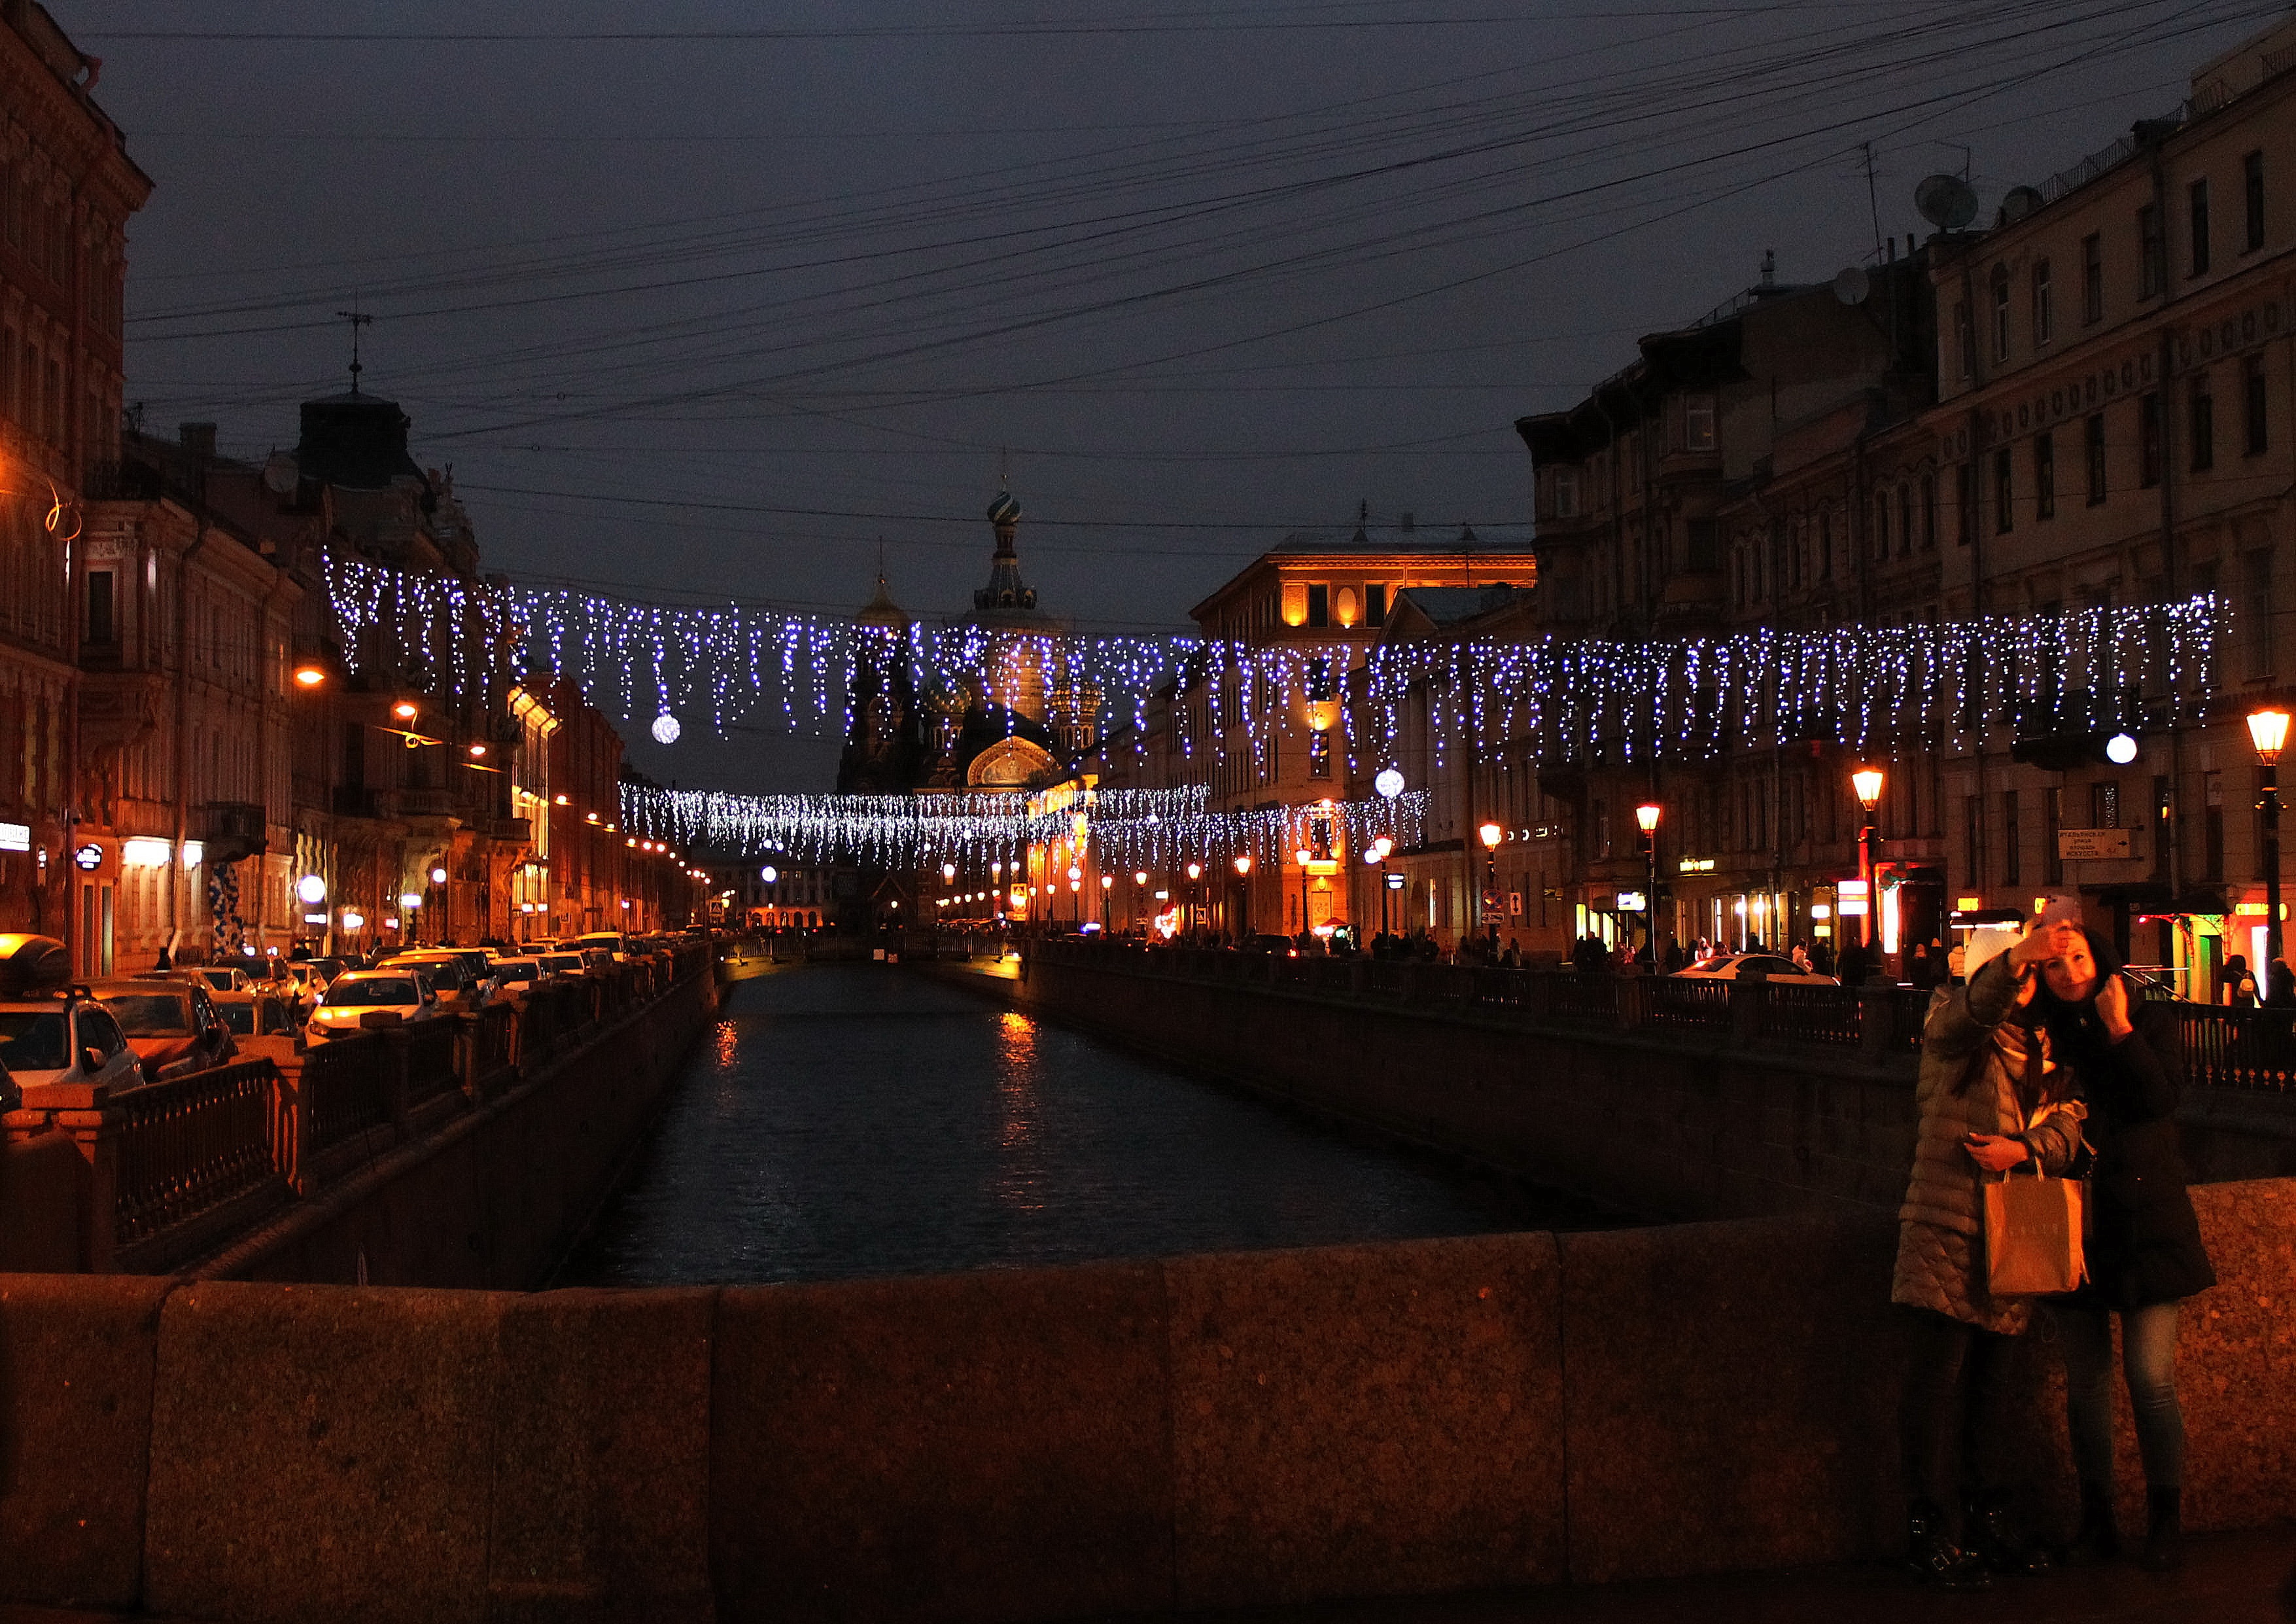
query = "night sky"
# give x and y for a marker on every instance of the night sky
(709, 308)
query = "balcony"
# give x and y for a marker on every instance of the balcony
(231, 830)
(412, 803)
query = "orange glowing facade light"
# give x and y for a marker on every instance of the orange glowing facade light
(406, 711)
(308, 675)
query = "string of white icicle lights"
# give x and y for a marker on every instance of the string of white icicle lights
(1570, 698)
(1154, 828)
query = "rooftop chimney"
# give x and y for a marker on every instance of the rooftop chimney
(1769, 267)
(199, 439)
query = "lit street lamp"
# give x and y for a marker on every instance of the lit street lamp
(1195, 872)
(1107, 883)
(2267, 730)
(1492, 834)
(1380, 849)
(1866, 780)
(1243, 891)
(1647, 815)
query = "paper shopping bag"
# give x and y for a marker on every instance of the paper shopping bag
(2033, 1236)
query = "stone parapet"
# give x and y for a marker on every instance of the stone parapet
(1214, 1431)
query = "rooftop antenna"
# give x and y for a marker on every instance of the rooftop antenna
(1873, 197)
(358, 318)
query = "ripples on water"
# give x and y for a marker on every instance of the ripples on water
(860, 1119)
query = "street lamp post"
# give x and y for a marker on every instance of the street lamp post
(1491, 834)
(1380, 849)
(1305, 857)
(1647, 815)
(1107, 883)
(2267, 730)
(1866, 780)
(1244, 895)
(1195, 872)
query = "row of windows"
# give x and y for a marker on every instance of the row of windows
(2108, 804)
(2200, 446)
(2152, 267)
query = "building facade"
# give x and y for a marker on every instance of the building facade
(67, 190)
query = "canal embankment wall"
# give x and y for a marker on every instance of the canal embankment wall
(1191, 1432)
(467, 1152)
(1688, 1103)
(491, 1198)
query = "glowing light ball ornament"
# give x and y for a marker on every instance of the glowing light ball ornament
(666, 729)
(1389, 783)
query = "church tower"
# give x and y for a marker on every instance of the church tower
(884, 750)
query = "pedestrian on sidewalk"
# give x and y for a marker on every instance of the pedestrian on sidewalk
(2144, 1252)
(1990, 1098)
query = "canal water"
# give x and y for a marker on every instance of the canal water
(858, 1120)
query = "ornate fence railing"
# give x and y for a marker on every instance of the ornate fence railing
(2253, 1050)
(184, 1151)
(192, 1143)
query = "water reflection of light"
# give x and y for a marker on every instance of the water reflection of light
(1019, 1173)
(728, 1044)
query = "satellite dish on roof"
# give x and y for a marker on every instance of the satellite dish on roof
(281, 473)
(1852, 285)
(2019, 202)
(1946, 201)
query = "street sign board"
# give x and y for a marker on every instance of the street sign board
(2093, 845)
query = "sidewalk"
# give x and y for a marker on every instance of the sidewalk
(2228, 1579)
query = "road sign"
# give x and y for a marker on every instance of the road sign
(2093, 845)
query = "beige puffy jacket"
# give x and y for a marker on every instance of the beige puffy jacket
(1941, 1225)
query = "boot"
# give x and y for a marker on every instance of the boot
(2098, 1541)
(1932, 1557)
(1992, 1537)
(2164, 1534)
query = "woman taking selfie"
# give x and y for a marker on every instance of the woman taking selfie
(2144, 1250)
(1990, 1099)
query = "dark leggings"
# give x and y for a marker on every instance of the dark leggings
(1954, 1403)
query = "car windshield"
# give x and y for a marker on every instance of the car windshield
(32, 1040)
(439, 972)
(239, 1017)
(563, 961)
(220, 979)
(363, 993)
(518, 970)
(151, 1014)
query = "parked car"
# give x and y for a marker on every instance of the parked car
(215, 978)
(1280, 947)
(449, 974)
(170, 1021)
(360, 1000)
(65, 1037)
(611, 942)
(1754, 966)
(564, 964)
(260, 1011)
(516, 977)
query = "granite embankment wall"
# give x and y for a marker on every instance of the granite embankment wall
(1204, 1432)
(1659, 1119)
(484, 1184)
(492, 1198)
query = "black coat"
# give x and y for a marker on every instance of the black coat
(2144, 1241)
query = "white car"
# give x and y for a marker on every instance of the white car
(1751, 967)
(65, 1039)
(359, 1000)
